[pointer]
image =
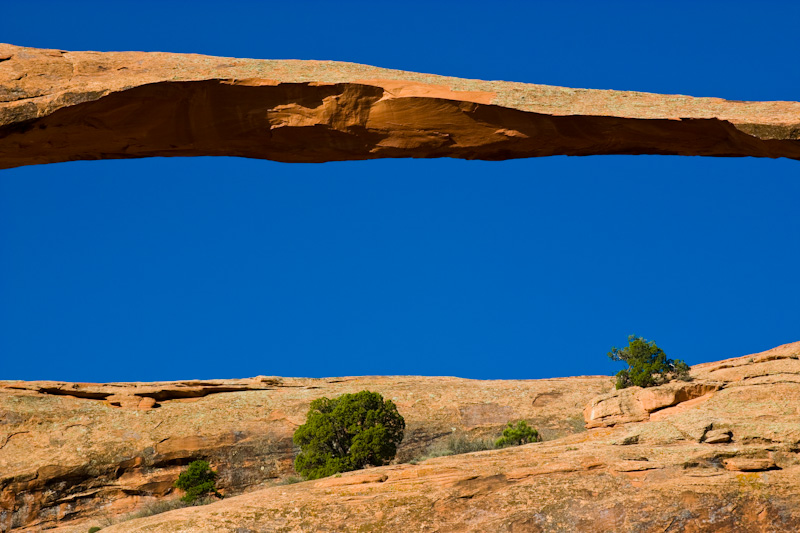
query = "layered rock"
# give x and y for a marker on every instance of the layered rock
(76, 451)
(58, 106)
(719, 453)
(729, 463)
(635, 404)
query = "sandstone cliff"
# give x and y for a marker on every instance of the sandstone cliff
(58, 106)
(73, 451)
(718, 454)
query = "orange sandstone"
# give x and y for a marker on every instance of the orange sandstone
(718, 454)
(58, 106)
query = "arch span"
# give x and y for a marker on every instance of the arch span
(62, 106)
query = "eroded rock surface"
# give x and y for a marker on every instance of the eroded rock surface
(58, 106)
(76, 451)
(729, 463)
(718, 454)
(578, 485)
(635, 404)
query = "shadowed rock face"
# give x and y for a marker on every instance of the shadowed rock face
(63, 106)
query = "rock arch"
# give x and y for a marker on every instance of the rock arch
(63, 106)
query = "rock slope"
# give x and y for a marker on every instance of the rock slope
(70, 452)
(718, 454)
(58, 106)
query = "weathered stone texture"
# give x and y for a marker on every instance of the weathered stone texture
(74, 451)
(719, 454)
(64, 106)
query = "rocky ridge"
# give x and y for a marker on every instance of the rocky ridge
(71, 452)
(718, 454)
(57, 105)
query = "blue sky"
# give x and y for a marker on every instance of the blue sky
(221, 267)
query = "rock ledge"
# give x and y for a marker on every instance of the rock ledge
(59, 106)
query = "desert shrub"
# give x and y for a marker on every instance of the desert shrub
(648, 365)
(516, 435)
(94, 529)
(348, 433)
(458, 444)
(513, 435)
(157, 507)
(197, 481)
(290, 480)
(454, 445)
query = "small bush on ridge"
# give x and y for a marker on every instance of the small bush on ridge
(517, 435)
(648, 365)
(348, 433)
(197, 481)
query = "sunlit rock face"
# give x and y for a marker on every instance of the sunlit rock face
(73, 454)
(63, 106)
(718, 453)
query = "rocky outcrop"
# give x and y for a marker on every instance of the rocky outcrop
(585, 485)
(143, 395)
(635, 404)
(58, 106)
(72, 452)
(718, 453)
(729, 463)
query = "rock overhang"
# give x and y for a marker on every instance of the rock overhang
(62, 106)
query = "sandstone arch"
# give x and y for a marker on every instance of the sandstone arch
(62, 106)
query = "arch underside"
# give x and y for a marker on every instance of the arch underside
(93, 113)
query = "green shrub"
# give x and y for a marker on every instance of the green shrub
(94, 529)
(348, 433)
(517, 435)
(648, 365)
(454, 445)
(198, 480)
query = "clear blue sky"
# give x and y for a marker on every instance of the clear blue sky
(221, 267)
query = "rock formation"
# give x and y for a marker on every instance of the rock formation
(720, 453)
(64, 106)
(76, 451)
